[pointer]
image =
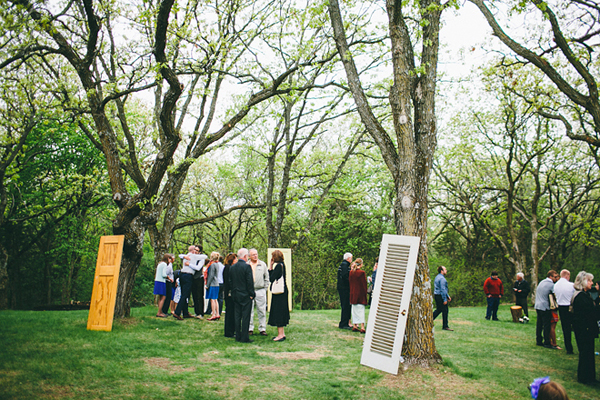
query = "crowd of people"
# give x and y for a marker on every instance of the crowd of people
(239, 281)
(572, 303)
(556, 299)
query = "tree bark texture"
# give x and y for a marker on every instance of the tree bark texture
(412, 102)
(132, 247)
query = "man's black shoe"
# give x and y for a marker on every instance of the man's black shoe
(346, 327)
(488, 318)
(448, 329)
(495, 319)
(570, 352)
(548, 346)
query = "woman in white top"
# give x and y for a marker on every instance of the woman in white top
(212, 285)
(160, 288)
(170, 285)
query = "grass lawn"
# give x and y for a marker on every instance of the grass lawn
(51, 355)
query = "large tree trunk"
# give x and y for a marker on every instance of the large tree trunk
(419, 346)
(160, 239)
(130, 262)
(412, 102)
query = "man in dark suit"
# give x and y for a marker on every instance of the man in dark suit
(343, 287)
(241, 283)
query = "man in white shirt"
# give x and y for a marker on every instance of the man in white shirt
(563, 289)
(261, 284)
(192, 263)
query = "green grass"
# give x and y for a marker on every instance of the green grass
(51, 355)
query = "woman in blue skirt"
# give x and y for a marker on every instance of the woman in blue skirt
(160, 287)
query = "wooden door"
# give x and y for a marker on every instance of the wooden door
(104, 293)
(382, 347)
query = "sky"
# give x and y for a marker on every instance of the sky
(461, 37)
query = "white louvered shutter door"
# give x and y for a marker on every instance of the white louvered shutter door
(391, 298)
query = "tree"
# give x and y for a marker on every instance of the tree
(562, 47)
(511, 175)
(46, 177)
(98, 49)
(75, 33)
(408, 151)
(353, 216)
(18, 117)
(58, 191)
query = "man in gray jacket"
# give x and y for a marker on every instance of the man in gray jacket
(261, 284)
(542, 308)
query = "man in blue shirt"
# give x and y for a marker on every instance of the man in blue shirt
(440, 293)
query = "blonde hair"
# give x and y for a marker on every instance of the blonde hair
(581, 280)
(356, 264)
(214, 256)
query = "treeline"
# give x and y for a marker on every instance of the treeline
(511, 192)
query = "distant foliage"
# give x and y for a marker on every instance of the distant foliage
(342, 229)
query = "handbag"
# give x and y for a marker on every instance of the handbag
(278, 286)
(553, 302)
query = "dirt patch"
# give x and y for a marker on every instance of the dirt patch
(294, 355)
(158, 362)
(54, 392)
(165, 363)
(234, 387)
(434, 383)
(210, 357)
(127, 322)
(11, 374)
(346, 335)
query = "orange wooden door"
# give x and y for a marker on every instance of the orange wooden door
(104, 293)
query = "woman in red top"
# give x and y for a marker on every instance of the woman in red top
(358, 295)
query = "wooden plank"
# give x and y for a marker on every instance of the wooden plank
(106, 279)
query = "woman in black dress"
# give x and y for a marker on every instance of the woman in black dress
(585, 325)
(280, 312)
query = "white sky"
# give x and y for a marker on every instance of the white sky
(461, 37)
